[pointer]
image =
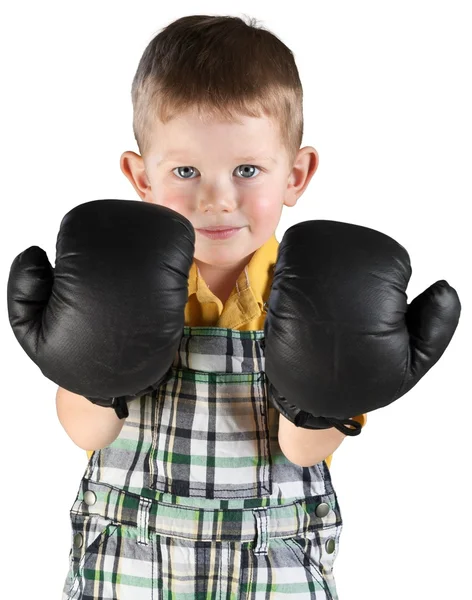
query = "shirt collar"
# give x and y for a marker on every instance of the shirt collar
(257, 274)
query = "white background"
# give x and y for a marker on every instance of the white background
(387, 104)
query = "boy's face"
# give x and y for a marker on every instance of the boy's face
(217, 173)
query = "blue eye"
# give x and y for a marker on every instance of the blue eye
(182, 169)
(246, 169)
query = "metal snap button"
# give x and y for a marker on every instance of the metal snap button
(78, 540)
(322, 509)
(330, 545)
(90, 498)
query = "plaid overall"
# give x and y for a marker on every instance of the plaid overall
(195, 499)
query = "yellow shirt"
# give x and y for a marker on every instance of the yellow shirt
(244, 310)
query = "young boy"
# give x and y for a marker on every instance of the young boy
(260, 512)
(211, 482)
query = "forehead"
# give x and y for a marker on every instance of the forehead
(243, 136)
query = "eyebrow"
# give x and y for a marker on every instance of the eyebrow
(175, 157)
(249, 158)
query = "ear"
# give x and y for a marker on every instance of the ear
(132, 165)
(304, 167)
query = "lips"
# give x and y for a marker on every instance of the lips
(220, 233)
(218, 228)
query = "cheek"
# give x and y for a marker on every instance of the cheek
(174, 201)
(265, 209)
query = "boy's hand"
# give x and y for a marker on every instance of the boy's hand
(107, 321)
(340, 338)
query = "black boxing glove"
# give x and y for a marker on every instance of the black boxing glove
(340, 338)
(106, 322)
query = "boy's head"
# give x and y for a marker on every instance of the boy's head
(218, 120)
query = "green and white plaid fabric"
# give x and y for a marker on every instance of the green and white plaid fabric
(195, 499)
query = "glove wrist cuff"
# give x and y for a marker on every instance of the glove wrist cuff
(119, 404)
(301, 418)
(347, 427)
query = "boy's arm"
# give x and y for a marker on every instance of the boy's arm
(307, 447)
(88, 425)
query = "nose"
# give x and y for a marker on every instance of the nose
(216, 200)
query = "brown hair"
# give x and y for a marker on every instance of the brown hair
(223, 67)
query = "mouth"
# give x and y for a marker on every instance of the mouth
(219, 233)
(219, 228)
